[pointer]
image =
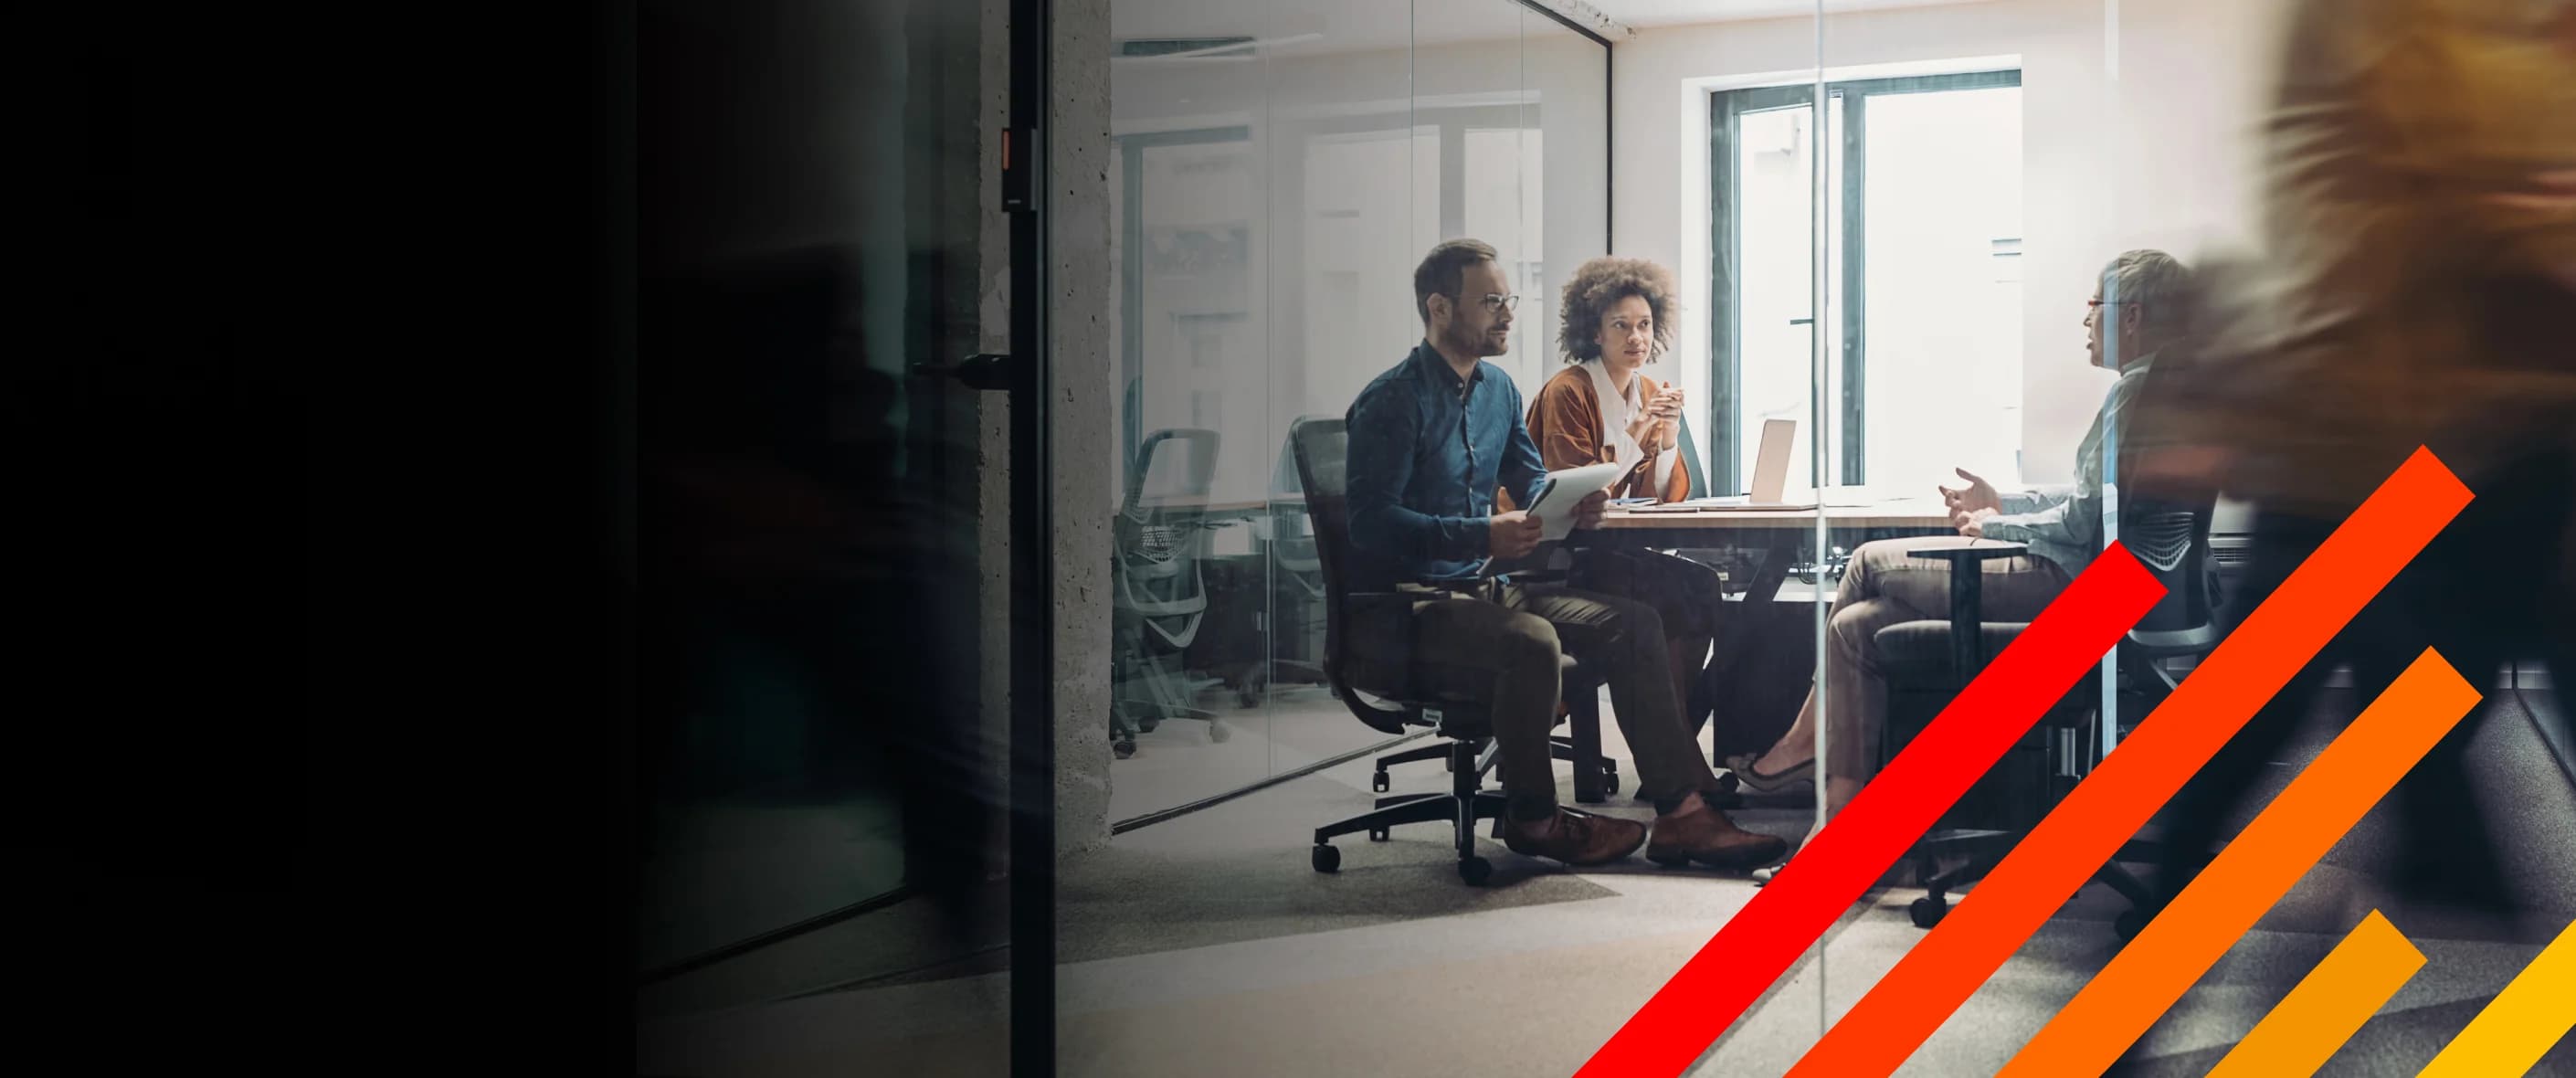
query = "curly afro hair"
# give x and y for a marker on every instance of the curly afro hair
(1597, 285)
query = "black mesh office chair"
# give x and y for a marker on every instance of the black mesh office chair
(1367, 655)
(1596, 777)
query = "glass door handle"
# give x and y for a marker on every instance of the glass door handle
(985, 371)
(1802, 321)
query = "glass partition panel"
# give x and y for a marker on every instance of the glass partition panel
(1187, 595)
(1349, 172)
(1755, 356)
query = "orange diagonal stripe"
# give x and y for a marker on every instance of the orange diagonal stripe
(2255, 870)
(2329, 1005)
(2109, 806)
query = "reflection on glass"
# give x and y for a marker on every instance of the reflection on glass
(1362, 239)
(1197, 321)
(1504, 180)
(1272, 202)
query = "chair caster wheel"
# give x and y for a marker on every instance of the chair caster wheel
(1146, 726)
(1218, 732)
(1378, 782)
(1123, 748)
(1247, 699)
(1380, 834)
(1610, 782)
(2129, 923)
(1928, 911)
(1475, 870)
(1327, 858)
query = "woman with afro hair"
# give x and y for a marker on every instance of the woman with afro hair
(1617, 319)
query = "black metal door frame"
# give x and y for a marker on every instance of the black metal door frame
(1032, 641)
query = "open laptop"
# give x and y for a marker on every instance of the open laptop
(1770, 473)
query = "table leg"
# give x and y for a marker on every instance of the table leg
(1776, 556)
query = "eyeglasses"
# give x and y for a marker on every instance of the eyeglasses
(1493, 302)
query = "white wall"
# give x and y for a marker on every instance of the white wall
(2134, 135)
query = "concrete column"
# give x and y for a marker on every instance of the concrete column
(1080, 438)
(1081, 444)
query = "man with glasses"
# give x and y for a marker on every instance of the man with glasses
(1431, 443)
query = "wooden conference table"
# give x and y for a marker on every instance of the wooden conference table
(1778, 533)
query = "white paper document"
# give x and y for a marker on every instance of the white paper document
(1559, 492)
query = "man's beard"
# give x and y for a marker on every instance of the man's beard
(1476, 344)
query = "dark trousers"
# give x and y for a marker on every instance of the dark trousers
(1500, 642)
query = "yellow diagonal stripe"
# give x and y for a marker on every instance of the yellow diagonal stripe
(2521, 1022)
(2328, 1006)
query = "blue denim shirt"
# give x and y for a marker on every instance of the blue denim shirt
(1427, 452)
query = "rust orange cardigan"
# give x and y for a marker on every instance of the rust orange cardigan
(1565, 421)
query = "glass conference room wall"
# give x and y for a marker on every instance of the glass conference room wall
(1278, 171)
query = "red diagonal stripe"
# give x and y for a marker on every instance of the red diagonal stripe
(1882, 822)
(2109, 806)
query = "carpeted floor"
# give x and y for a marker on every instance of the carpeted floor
(1209, 938)
(1221, 876)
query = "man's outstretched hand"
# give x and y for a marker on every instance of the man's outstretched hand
(1979, 495)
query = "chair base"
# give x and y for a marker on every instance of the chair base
(1463, 807)
(1168, 692)
(1604, 781)
(1986, 849)
(1253, 684)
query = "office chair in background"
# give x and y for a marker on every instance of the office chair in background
(1295, 621)
(1160, 594)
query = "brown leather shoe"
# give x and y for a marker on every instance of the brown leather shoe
(1711, 839)
(1580, 838)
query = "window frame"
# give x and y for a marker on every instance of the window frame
(1726, 111)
